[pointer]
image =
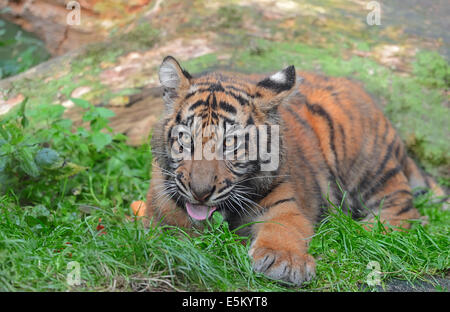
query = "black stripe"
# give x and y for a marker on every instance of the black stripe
(242, 101)
(181, 190)
(407, 208)
(389, 197)
(382, 181)
(197, 104)
(238, 97)
(227, 107)
(214, 87)
(300, 119)
(373, 177)
(213, 102)
(239, 90)
(318, 110)
(280, 202)
(386, 158)
(344, 145)
(190, 95)
(202, 83)
(397, 152)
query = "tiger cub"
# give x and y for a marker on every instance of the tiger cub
(276, 150)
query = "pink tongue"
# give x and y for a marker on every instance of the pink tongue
(199, 212)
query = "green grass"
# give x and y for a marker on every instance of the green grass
(50, 218)
(34, 255)
(346, 249)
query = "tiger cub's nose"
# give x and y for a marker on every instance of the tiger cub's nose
(202, 192)
(203, 176)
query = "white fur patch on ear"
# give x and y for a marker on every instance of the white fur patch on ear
(279, 77)
(283, 80)
(169, 75)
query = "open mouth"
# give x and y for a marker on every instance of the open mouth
(199, 212)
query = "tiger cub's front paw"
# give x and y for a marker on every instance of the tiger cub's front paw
(289, 266)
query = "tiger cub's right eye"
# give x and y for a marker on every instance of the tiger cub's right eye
(184, 138)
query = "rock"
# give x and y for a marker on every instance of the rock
(80, 91)
(5, 106)
(49, 20)
(397, 285)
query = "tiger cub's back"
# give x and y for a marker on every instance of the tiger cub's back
(338, 140)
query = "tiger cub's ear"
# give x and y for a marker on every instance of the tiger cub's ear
(174, 80)
(273, 90)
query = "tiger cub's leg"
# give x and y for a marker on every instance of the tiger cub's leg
(280, 243)
(393, 203)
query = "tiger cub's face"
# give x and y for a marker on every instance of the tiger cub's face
(219, 143)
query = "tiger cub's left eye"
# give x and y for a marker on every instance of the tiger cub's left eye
(230, 143)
